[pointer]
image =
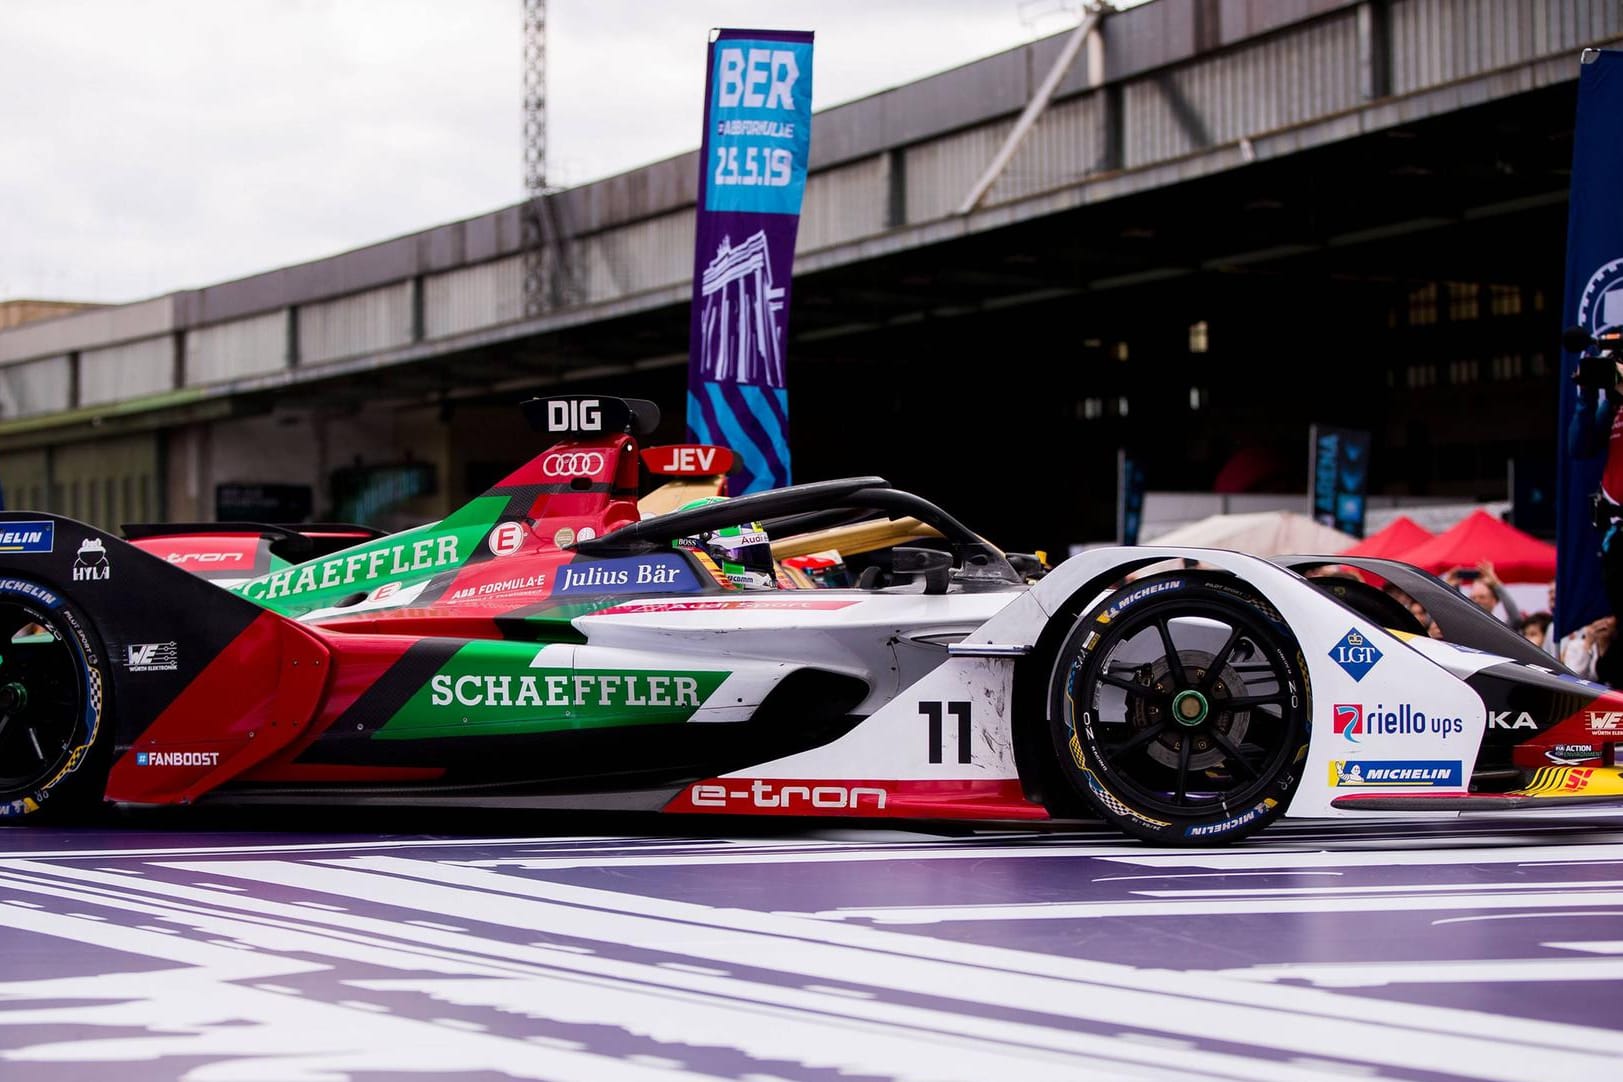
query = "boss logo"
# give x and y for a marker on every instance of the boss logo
(574, 415)
(573, 464)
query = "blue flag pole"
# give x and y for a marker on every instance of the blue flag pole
(1594, 292)
(752, 176)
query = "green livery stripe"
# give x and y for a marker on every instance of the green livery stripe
(406, 557)
(492, 688)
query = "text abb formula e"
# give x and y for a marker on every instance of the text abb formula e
(546, 645)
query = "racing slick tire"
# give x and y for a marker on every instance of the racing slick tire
(1179, 709)
(55, 733)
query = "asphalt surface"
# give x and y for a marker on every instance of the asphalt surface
(270, 947)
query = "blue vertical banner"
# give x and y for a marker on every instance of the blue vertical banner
(1129, 498)
(1338, 477)
(1594, 299)
(752, 175)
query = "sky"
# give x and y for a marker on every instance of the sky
(152, 146)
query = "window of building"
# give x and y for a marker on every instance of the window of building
(1423, 305)
(1463, 301)
(1504, 300)
(1506, 366)
(1422, 375)
(1198, 341)
(1463, 372)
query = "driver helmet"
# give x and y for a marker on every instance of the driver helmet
(740, 555)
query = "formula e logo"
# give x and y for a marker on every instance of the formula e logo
(152, 657)
(1500, 719)
(1349, 720)
(506, 539)
(573, 464)
(90, 565)
(1354, 654)
(1605, 722)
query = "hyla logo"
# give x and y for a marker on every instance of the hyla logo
(1349, 720)
(1354, 654)
(90, 565)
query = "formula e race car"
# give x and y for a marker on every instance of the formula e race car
(546, 645)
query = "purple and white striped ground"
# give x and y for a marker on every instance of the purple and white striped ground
(1484, 949)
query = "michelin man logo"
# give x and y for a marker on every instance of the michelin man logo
(1601, 304)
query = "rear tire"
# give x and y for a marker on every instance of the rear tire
(54, 731)
(1179, 709)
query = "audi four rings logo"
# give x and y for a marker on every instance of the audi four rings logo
(573, 463)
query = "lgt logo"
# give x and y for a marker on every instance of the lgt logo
(1349, 720)
(1355, 654)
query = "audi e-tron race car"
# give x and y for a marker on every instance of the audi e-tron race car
(548, 646)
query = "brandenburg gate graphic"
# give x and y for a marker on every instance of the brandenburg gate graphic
(740, 317)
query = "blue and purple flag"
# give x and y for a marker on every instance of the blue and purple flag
(1594, 299)
(752, 174)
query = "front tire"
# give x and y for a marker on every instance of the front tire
(1179, 709)
(54, 732)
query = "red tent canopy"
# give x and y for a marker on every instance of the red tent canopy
(1399, 536)
(1516, 556)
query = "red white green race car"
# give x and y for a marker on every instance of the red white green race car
(548, 645)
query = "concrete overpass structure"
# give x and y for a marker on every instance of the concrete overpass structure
(1235, 218)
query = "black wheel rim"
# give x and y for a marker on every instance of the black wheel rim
(1191, 706)
(42, 697)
